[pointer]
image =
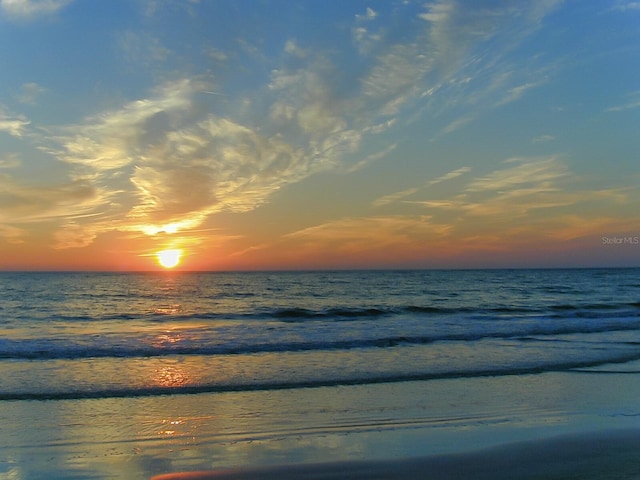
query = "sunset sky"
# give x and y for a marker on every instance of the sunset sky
(254, 134)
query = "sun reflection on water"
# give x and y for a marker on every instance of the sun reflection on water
(170, 377)
(171, 426)
(171, 309)
(167, 338)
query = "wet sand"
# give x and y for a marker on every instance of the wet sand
(560, 425)
(604, 455)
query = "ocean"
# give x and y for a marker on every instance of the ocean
(158, 372)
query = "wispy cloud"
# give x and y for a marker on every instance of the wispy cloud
(12, 234)
(140, 48)
(623, 6)
(515, 93)
(394, 197)
(633, 102)
(31, 8)
(172, 165)
(449, 176)
(163, 162)
(30, 92)
(370, 14)
(543, 138)
(363, 234)
(23, 204)
(10, 160)
(526, 203)
(14, 125)
(527, 171)
(456, 124)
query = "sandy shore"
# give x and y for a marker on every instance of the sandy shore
(548, 426)
(598, 456)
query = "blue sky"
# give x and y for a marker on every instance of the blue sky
(319, 134)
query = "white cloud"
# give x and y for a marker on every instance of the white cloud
(217, 55)
(292, 48)
(172, 163)
(369, 15)
(626, 6)
(449, 176)
(32, 8)
(175, 165)
(14, 125)
(111, 140)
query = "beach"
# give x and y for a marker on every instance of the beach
(494, 427)
(414, 374)
(601, 456)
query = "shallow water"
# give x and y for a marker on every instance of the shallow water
(129, 376)
(73, 335)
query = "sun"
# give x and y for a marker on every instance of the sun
(169, 258)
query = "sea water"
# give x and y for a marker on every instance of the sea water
(90, 344)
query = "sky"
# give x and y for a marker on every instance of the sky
(260, 134)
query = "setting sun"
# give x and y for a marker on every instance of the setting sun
(169, 258)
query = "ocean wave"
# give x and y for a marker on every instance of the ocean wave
(175, 312)
(205, 342)
(346, 380)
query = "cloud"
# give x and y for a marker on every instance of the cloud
(531, 194)
(515, 93)
(442, 65)
(32, 8)
(543, 138)
(456, 124)
(30, 92)
(169, 163)
(516, 207)
(632, 103)
(10, 160)
(363, 38)
(624, 6)
(112, 140)
(292, 48)
(14, 125)
(394, 197)
(12, 234)
(216, 54)
(450, 176)
(363, 234)
(369, 15)
(23, 204)
(172, 165)
(140, 48)
(216, 165)
(528, 171)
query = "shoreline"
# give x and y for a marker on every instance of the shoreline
(600, 455)
(494, 426)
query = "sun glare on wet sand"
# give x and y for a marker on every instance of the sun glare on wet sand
(169, 258)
